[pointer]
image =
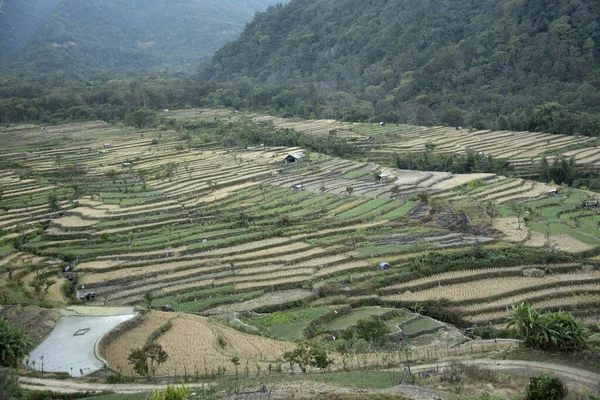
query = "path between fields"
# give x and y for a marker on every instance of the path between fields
(521, 367)
(527, 368)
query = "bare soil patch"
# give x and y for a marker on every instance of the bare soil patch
(38, 322)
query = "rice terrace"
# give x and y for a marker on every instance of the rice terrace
(232, 245)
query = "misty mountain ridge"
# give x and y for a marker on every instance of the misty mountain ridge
(421, 61)
(51, 35)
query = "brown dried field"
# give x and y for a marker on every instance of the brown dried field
(195, 342)
(486, 288)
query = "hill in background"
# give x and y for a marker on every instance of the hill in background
(479, 63)
(51, 35)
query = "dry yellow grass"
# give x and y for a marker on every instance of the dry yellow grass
(559, 291)
(150, 269)
(195, 342)
(488, 287)
(342, 267)
(268, 252)
(271, 282)
(75, 222)
(510, 227)
(247, 246)
(569, 244)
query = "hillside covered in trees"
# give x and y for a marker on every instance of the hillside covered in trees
(509, 64)
(74, 35)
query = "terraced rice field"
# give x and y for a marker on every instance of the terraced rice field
(224, 230)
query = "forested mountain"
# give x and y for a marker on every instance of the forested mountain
(504, 64)
(50, 35)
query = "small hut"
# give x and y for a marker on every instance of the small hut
(292, 158)
(591, 203)
(382, 177)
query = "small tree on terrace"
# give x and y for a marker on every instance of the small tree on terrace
(112, 175)
(349, 189)
(372, 329)
(519, 211)
(308, 354)
(235, 360)
(145, 361)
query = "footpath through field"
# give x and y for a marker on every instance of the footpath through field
(520, 367)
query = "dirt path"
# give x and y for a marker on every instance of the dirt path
(72, 386)
(528, 368)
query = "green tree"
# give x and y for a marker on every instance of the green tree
(372, 329)
(147, 360)
(14, 343)
(53, 201)
(140, 118)
(349, 190)
(235, 360)
(308, 354)
(423, 197)
(112, 175)
(519, 211)
(148, 298)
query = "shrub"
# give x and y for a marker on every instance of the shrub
(172, 392)
(9, 386)
(546, 387)
(548, 330)
(14, 343)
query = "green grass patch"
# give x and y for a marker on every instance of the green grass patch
(347, 320)
(363, 208)
(358, 379)
(420, 325)
(400, 211)
(288, 325)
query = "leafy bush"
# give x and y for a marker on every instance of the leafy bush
(546, 387)
(14, 343)
(172, 392)
(548, 330)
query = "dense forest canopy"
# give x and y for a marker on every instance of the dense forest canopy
(74, 35)
(509, 64)
(489, 64)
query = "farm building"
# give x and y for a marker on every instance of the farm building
(382, 177)
(591, 203)
(292, 158)
(126, 165)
